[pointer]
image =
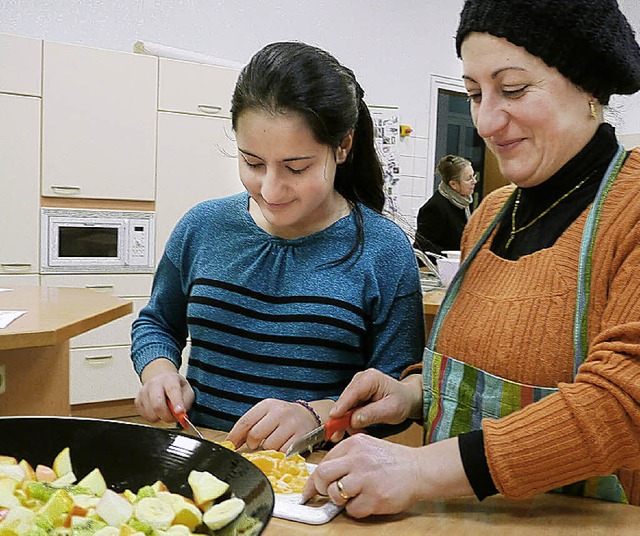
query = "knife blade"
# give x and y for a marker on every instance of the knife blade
(184, 420)
(319, 435)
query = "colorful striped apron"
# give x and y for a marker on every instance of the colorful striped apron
(458, 396)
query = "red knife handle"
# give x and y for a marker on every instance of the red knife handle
(180, 415)
(338, 425)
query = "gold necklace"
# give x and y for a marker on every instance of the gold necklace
(515, 231)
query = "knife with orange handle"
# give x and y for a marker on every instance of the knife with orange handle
(319, 435)
(184, 420)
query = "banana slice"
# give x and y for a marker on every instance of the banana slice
(154, 512)
(221, 514)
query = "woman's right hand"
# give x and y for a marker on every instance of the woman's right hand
(161, 382)
(380, 399)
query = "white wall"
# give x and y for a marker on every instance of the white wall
(393, 46)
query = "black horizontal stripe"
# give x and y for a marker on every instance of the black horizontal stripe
(227, 395)
(276, 299)
(251, 313)
(223, 415)
(265, 337)
(273, 360)
(277, 382)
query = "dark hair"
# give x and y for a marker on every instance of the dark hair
(294, 76)
(451, 166)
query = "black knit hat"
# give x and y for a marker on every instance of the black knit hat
(589, 41)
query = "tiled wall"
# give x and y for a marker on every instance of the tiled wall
(411, 190)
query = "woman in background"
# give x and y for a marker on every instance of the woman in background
(531, 373)
(442, 218)
(290, 288)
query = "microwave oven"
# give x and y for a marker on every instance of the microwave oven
(96, 241)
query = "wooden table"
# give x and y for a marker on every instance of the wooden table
(548, 514)
(430, 302)
(34, 349)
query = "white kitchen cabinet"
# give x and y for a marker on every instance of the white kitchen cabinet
(19, 280)
(195, 88)
(20, 65)
(19, 183)
(101, 374)
(196, 161)
(101, 368)
(99, 123)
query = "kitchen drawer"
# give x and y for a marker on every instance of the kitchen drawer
(119, 285)
(117, 332)
(102, 374)
(195, 88)
(20, 65)
(19, 280)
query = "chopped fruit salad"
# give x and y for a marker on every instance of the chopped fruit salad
(50, 501)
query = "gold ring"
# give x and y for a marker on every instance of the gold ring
(341, 491)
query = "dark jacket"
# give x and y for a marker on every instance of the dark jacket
(440, 225)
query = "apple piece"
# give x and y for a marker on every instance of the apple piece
(95, 482)
(129, 495)
(62, 463)
(114, 509)
(221, 514)
(84, 501)
(205, 486)
(18, 521)
(108, 531)
(7, 493)
(29, 473)
(45, 473)
(8, 460)
(187, 514)
(65, 480)
(12, 471)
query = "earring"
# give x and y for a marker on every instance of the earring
(592, 108)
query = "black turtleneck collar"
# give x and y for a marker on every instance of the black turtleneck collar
(592, 162)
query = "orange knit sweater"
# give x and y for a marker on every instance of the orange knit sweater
(515, 319)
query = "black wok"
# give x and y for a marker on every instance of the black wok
(130, 456)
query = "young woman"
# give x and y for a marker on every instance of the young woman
(291, 288)
(442, 219)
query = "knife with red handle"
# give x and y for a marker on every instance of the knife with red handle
(319, 435)
(184, 420)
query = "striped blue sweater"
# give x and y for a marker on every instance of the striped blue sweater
(269, 318)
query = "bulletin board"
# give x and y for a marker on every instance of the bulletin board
(386, 127)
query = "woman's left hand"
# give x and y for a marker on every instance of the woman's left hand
(374, 476)
(272, 424)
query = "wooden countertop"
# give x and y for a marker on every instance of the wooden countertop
(55, 314)
(548, 514)
(431, 300)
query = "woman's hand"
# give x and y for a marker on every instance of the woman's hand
(161, 381)
(380, 399)
(379, 477)
(272, 424)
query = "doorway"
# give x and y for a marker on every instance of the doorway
(455, 134)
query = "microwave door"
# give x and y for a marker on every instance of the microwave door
(86, 243)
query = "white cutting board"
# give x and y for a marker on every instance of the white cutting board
(289, 506)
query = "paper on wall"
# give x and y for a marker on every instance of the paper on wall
(6, 317)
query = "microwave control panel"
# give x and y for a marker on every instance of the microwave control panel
(138, 251)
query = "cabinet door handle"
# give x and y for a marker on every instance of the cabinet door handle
(104, 287)
(15, 266)
(97, 358)
(209, 109)
(65, 190)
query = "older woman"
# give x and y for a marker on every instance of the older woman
(541, 389)
(441, 220)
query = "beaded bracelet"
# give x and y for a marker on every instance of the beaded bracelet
(306, 405)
